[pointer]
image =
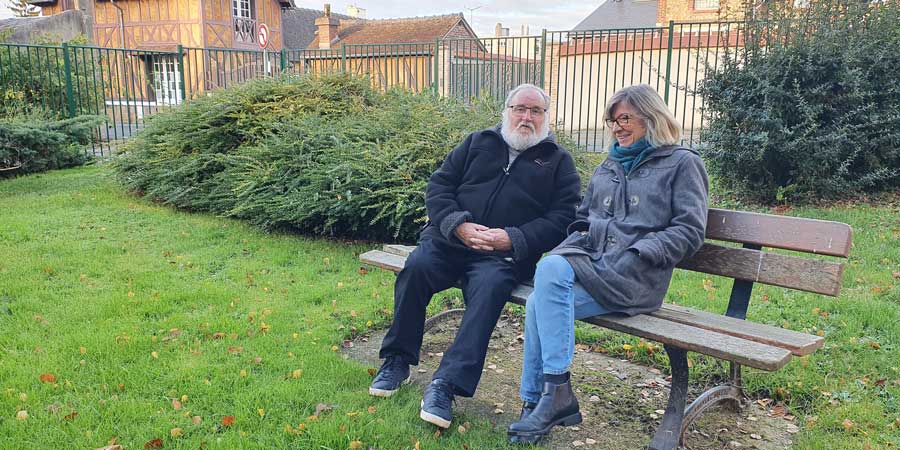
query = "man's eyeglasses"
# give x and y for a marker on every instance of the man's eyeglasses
(520, 110)
(622, 120)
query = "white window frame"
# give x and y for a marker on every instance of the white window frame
(707, 5)
(166, 79)
(242, 9)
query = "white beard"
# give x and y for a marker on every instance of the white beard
(521, 142)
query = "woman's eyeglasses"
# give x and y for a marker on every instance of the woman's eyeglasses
(622, 120)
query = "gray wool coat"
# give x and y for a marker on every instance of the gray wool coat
(630, 231)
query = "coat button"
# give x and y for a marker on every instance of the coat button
(635, 200)
(607, 201)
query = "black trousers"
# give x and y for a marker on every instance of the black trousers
(434, 266)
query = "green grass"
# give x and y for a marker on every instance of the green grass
(131, 305)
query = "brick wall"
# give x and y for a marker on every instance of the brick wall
(686, 10)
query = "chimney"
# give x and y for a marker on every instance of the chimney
(327, 27)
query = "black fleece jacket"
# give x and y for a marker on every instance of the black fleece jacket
(533, 199)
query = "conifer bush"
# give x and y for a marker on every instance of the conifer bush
(327, 155)
(809, 109)
(36, 143)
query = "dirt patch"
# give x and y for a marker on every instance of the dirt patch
(621, 402)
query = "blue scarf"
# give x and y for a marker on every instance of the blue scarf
(631, 155)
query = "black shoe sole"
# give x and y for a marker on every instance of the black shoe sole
(533, 437)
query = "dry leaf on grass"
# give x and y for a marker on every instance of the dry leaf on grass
(228, 421)
(153, 443)
(48, 378)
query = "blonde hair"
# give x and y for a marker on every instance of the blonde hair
(662, 129)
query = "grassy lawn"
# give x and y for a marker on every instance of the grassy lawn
(128, 321)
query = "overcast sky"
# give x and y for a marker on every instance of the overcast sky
(536, 14)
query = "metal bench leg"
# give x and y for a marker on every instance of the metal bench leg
(441, 317)
(668, 435)
(730, 393)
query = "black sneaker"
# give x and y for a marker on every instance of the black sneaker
(393, 373)
(437, 403)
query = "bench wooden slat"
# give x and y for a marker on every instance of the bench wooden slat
(799, 344)
(790, 233)
(707, 342)
(811, 275)
(660, 329)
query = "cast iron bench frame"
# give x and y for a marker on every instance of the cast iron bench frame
(727, 337)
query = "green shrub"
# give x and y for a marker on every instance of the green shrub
(33, 78)
(810, 109)
(35, 143)
(327, 155)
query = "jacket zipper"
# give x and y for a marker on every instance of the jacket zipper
(506, 169)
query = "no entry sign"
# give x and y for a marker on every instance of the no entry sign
(262, 36)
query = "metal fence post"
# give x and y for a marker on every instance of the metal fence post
(283, 60)
(67, 66)
(669, 59)
(543, 54)
(437, 49)
(180, 51)
(344, 57)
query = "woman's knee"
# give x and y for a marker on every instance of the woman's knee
(553, 267)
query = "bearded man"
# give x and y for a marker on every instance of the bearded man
(500, 199)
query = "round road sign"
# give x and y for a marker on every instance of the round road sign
(262, 35)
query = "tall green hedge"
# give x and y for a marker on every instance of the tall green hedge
(327, 155)
(810, 108)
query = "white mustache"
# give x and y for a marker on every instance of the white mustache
(528, 125)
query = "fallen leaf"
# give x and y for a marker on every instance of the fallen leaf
(848, 424)
(626, 347)
(176, 405)
(372, 409)
(228, 421)
(362, 271)
(71, 416)
(896, 274)
(874, 345)
(154, 355)
(48, 378)
(176, 432)
(154, 443)
(261, 412)
(372, 371)
(296, 373)
(461, 430)
(110, 447)
(321, 408)
(355, 445)
(22, 415)
(196, 420)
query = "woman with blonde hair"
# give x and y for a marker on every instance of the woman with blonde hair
(643, 212)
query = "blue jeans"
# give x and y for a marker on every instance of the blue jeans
(550, 314)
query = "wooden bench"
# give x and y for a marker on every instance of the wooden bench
(728, 337)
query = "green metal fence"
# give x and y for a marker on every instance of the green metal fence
(580, 70)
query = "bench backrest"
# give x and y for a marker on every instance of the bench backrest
(753, 264)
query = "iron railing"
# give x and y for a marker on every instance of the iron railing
(580, 70)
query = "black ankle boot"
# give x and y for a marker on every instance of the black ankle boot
(558, 406)
(527, 409)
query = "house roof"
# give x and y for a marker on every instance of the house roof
(389, 31)
(284, 3)
(621, 14)
(299, 27)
